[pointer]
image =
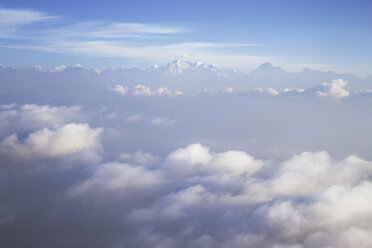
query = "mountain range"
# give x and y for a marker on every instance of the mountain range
(184, 75)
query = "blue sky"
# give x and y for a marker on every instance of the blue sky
(231, 34)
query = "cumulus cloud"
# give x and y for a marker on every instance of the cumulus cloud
(315, 212)
(43, 114)
(195, 197)
(287, 90)
(118, 177)
(272, 91)
(141, 90)
(64, 140)
(197, 158)
(40, 114)
(140, 185)
(58, 68)
(334, 89)
(121, 89)
(139, 157)
(30, 117)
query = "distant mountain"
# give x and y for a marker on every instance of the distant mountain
(266, 75)
(187, 76)
(268, 68)
(181, 67)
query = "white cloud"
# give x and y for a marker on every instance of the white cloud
(139, 157)
(64, 140)
(134, 118)
(121, 89)
(29, 117)
(41, 114)
(107, 30)
(334, 89)
(192, 155)
(15, 17)
(11, 19)
(229, 90)
(195, 51)
(142, 90)
(48, 114)
(235, 163)
(272, 91)
(58, 68)
(124, 178)
(287, 90)
(204, 198)
(308, 173)
(110, 39)
(258, 89)
(162, 121)
(326, 207)
(197, 158)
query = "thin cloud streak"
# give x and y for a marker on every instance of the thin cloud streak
(116, 40)
(17, 17)
(12, 19)
(107, 30)
(161, 53)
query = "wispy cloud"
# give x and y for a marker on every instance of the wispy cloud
(114, 39)
(108, 30)
(159, 53)
(11, 19)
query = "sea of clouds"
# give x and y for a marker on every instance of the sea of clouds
(119, 165)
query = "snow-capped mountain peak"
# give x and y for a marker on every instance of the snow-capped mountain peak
(180, 67)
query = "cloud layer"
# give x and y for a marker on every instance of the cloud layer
(128, 164)
(195, 197)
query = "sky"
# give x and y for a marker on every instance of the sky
(98, 148)
(325, 35)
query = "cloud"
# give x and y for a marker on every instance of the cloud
(124, 178)
(107, 30)
(251, 186)
(162, 121)
(41, 114)
(334, 89)
(112, 39)
(141, 90)
(313, 216)
(308, 173)
(197, 158)
(216, 199)
(15, 17)
(134, 118)
(139, 157)
(11, 19)
(272, 91)
(59, 141)
(28, 117)
(121, 89)
(154, 53)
